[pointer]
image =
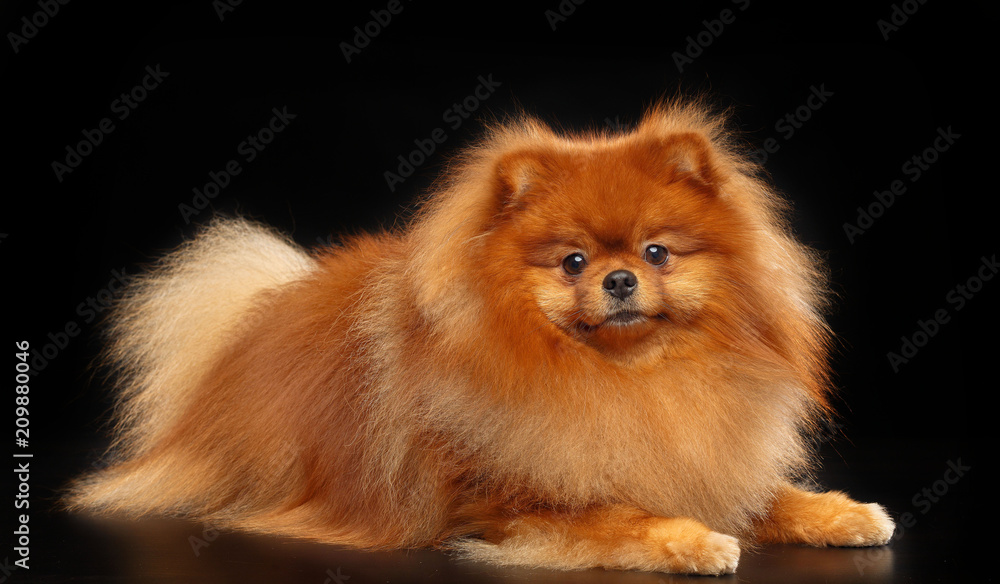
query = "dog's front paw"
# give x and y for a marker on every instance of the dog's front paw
(861, 525)
(823, 519)
(694, 549)
(722, 554)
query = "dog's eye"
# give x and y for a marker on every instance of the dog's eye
(574, 263)
(656, 254)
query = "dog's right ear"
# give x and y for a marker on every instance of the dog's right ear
(520, 173)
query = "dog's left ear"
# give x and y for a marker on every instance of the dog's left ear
(685, 154)
(693, 153)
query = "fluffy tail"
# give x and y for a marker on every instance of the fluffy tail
(165, 335)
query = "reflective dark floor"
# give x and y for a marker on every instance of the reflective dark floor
(68, 548)
(179, 551)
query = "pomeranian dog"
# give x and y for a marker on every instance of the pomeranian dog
(583, 350)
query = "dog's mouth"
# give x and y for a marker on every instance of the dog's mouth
(624, 318)
(620, 319)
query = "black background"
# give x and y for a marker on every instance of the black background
(62, 240)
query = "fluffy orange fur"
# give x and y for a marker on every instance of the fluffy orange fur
(454, 384)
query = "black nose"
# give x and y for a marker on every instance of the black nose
(620, 283)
